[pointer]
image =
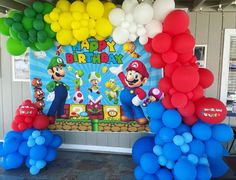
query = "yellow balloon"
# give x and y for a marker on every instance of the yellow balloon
(55, 26)
(77, 6)
(47, 19)
(73, 42)
(92, 23)
(75, 25)
(77, 16)
(86, 1)
(100, 38)
(54, 16)
(85, 16)
(84, 23)
(57, 10)
(92, 32)
(103, 27)
(63, 5)
(108, 6)
(81, 34)
(64, 37)
(104, 69)
(65, 20)
(95, 9)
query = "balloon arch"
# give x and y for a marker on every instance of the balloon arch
(186, 137)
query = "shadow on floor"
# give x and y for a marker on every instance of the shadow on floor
(81, 166)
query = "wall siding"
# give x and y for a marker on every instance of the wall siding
(207, 27)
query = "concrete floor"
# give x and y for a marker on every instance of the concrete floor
(81, 166)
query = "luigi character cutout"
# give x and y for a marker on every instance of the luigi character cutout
(132, 95)
(57, 72)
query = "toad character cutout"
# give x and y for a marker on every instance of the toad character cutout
(57, 72)
(132, 95)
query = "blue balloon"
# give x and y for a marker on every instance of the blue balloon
(38, 152)
(40, 164)
(164, 174)
(184, 170)
(141, 146)
(13, 135)
(48, 136)
(170, 164)
(187, 137)
(193, 158)
(56, 141)
(167, 134)
(2, 153)
(155, 110)
(139, 173)
(197, 147)
(203, 161)
(27, 162)
(158, 140)
(203, 172)
(218, 167)
(214, 149)
(178, 140)
(36, 134)
(201, 131)
(149, 163)
(51, 155)
(14, 160)
(185, 148)
(24, 149)
(171, 151)
(34, 170)
(40, 140)
(32, 162)
(149, 177)
(158, 150)
(27, 133)
(155, 125)
(11, 145)
(171, 118)
(182, 129)
(222, 132)
(162, 160)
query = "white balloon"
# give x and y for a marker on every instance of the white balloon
(162, 8)
(143, 39)
(141, 31)
(120, 35)
(148, 1)
(116, 16)
(153, 28)
(133, 27)
(129, 17)
(129, 5)
(143, 13)
(132, 37)
(125, 25)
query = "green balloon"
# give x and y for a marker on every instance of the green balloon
(44, 46)
(15, 47)
(39, 16)
(23, 36)
(17, 27)
(11, 13)
(50, 33)
(8, 21)
(13, 34)
(34, 48)
(27, 23)
(47, 7)
(38, 24)
(17, 17)
(32, 32)
(38, 6)
(42, 36)
(26, 43)
(32, 39)
(29, 12)
(4, 29)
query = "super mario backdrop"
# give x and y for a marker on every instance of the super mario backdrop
(82, 85)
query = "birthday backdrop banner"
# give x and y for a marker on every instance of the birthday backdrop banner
(76, 83)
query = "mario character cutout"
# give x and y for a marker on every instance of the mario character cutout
(94, 78)
(57, 72)
(132, 95)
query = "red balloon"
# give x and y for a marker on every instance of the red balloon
(28, 119)
(183, 58)
(156, 61)
(187, 110)
(161, 43)
(206, 77)
(179, 100)
(170, 68)
(210, 110)
(18, 119)
(190, 95)
(185, 79)
(166, 101)
(169, 56)
(148, 46)
(164, 84)
(198, 93)
(190, 120)
(193, 60)
(14, 126)
(176, 22)
(183, 43)
(41, 122)
(22, 126)
(172, 91)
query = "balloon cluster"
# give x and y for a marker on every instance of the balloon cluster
(28, 29)
(27, 116)
(80, 20)
(141, 21)
(179, 151)
(184, 82)
(35, 148)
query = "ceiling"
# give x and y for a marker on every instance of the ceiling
(192, 5)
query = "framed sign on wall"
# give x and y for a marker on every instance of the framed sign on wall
(200, 52)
